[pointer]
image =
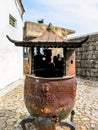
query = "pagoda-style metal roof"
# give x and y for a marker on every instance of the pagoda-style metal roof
(49, 36)
(49, 39)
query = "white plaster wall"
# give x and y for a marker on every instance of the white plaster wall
(11, 57)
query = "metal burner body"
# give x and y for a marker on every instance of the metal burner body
(52, 97)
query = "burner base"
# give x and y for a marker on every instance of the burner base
(46, 123)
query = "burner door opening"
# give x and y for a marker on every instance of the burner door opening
(47, 63)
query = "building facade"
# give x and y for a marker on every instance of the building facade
(11, 57)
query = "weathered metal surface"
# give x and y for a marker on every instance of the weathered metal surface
(52, 97)
(49, 43)
(70, 62)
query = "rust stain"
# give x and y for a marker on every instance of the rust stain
(45, 110)
(48, 96)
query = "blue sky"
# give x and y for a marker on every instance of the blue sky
(78, 15)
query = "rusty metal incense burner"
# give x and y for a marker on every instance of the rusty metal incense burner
(50, 86)
(53, 97)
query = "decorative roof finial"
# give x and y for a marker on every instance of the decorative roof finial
(50, 27)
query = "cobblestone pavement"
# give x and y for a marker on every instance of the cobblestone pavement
(12, 108)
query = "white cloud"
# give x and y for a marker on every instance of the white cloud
(77, 14)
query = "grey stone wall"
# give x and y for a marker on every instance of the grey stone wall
(87, 57)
